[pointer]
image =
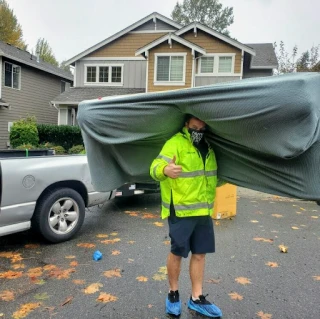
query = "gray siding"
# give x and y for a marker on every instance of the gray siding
(37, 90)
(207, 80)
(134, 76)
(149, 26)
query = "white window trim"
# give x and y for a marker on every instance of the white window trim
(97, 83)
(4, 82)
(216, 72)
(169, 83)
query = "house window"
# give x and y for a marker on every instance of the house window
(216, 65)
(63, 86)
(225, 64)
(12, 75)
(104, 74)
(207, 64)
(170, 69)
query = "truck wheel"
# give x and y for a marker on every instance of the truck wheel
(59, 214)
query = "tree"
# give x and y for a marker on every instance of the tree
(65, 67)
(208, 12)
(286, 61)
(10, 29)
(45, 52)
(303, 62)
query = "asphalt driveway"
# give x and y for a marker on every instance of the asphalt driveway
(248, 276)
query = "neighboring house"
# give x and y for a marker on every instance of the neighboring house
(157, 54)
(27, 85)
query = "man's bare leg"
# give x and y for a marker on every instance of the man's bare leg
(197, 263)
(173, 267)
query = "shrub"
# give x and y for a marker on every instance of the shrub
(59, 150)
(26, 146)
(24, 131)
(63, 135)
(76, 149)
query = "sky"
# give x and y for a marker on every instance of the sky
(72, 26)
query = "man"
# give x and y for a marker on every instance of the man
(187, 170)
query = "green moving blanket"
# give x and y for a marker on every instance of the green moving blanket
(265, 132)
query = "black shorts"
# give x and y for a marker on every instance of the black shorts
(193, 234)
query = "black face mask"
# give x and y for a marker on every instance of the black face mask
(196, 136)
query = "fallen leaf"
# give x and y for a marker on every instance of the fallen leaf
(102, 236)
(91, 289)
(163, 270)
(74, 263)
(79, 281)
(104, 297)
(316, 278)
(265, 240)
(283, 248)
(69, 299)
(25, 309)
(315, 217)
(7, 295)
(40, 282)
(141, 278)
(298, 213)
(114, 234)
(31, 246)
(110, 241)
(294, 227)
(235, 296)
(159, 277)
(18, 266)
(49, 267)
(112, 273)
(115, 252)
(213, 281)
(86, 245)
(277, 215)
(302, 208)
(272, 264)
(167, 242)
(11, 274)
(130, 260)
(158, 224)
(264, 315)
(243, 280)
(70, 257)
(254, 221)
(149, 216)
(42, 296)
(1, 314)
(61, 273)
(35, 272)
(150, 306)
(131, 242)
(217, 223)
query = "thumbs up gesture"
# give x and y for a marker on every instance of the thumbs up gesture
(172, 170)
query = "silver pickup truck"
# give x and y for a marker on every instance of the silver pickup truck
(46, 193)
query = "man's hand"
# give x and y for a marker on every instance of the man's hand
(172, 170)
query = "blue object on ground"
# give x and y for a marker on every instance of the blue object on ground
(97, 255)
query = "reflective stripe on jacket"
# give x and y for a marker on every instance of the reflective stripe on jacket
(193, 192)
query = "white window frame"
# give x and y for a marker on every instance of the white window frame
(170, 83)
(109, 83)
(216, 72)
(4, 70)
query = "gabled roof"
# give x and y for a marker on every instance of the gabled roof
(11, 52)
(117, 35)
(75, 95)
(235, 43)
(265, 57)
(170, 37)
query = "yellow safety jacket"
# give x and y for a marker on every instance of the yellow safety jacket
(193, 192)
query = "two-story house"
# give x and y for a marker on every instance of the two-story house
(27, 86)
(157, 54)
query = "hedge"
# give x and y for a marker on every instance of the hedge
(24, 131)
(64, 135)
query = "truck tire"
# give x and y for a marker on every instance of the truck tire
(59, 214)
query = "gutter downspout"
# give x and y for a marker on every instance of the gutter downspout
(147, 70)
(242, 60)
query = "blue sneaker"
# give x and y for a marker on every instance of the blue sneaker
(173, 303)
(204, 307)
